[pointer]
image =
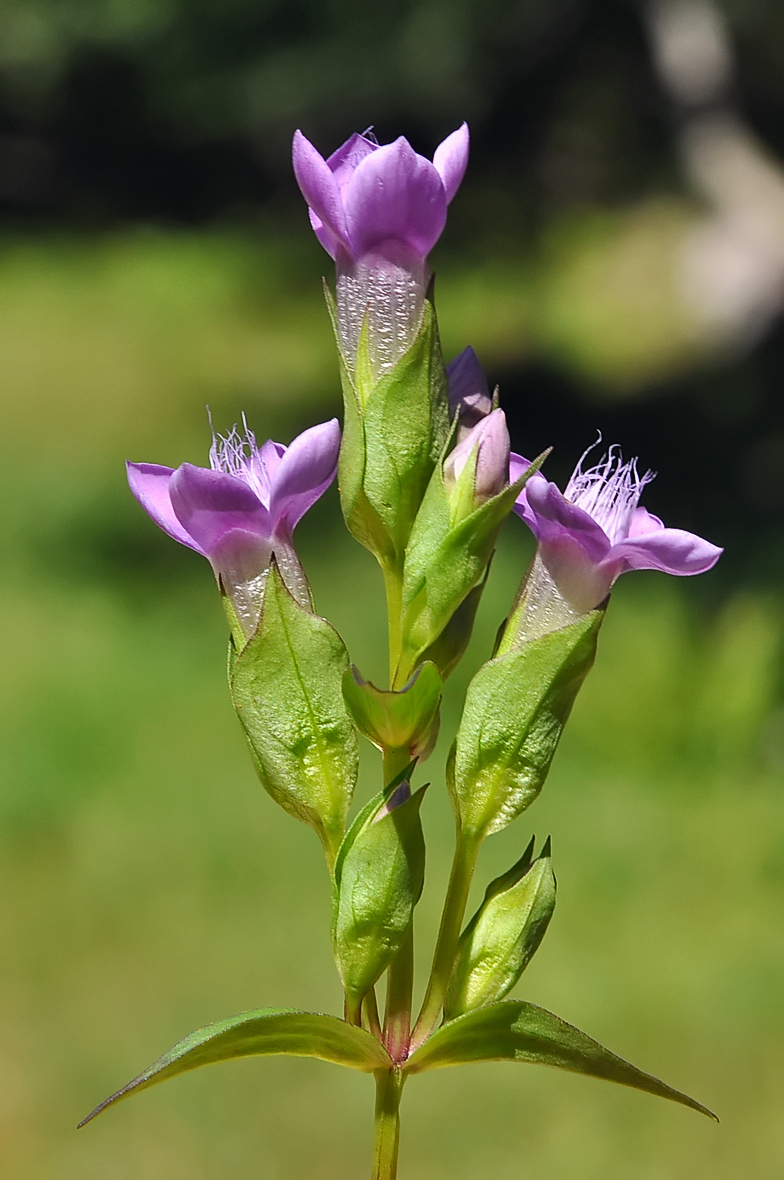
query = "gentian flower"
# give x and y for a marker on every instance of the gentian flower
(243, 508)
(469, 393)
(378, 210)
(591, 534)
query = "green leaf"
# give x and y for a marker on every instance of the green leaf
(287, 690)
(515, 711)
(503, 935)
(379, 875)
(395, 720)
(517, 1031)
(264, 1032)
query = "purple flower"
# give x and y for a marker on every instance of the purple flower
(243, 508)
(469, 393)
(488, 441)
(378, 210)
(591, 534)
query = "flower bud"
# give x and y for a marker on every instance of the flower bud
(478, 468)
(501, 938)
(469, 394)
(379, 873)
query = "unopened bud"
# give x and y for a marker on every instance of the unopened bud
(501, 938)
(469, 394)
(478, 468)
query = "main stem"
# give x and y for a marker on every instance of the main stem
(393, 584)
(389, 1087)
(448, 936)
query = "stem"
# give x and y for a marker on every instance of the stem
(371, 1012)
(448, 936)
(393, 584)
(389, 1086)
(400, 987)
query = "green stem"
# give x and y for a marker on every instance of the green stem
(448, 936)
(371, 1012)
(389, 1086)
(400, 987)
(393, 584)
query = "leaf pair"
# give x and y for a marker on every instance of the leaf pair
(509, 1031)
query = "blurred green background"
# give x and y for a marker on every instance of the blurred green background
(616, 258)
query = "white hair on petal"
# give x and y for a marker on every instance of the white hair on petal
(609, 492)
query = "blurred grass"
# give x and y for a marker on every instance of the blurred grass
(147, 885)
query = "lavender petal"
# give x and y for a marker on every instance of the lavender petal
(451, 159)
(673, 551)
(305, 472)
(394, 194)
(319, 188)
(150, 485)
(211, 504)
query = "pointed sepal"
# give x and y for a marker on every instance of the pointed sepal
(286, 685)
(515, 711)
(394, 431)
(447, 558)
(399, 720)
(502, 937)
(379, 874)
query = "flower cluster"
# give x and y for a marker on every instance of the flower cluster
(427, 479)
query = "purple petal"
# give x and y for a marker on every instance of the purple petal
(581, 581)
(556, 516)
(469, 394)
(343, 162)
(673, 551)
(212, 504)
(644, 522)
(150, 485)
(450, 160)
(304, 474)
(395, 194)
(320, 189)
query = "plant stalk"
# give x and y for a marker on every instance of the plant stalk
(400, 987)
(389, 1087)
(455, 903)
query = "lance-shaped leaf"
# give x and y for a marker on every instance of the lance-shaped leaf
(264, 1032)
(379, 875)
(503, 935)
(448, 650)
(447, 558)
(287, 689)
(394, 431)
(515, 711)
(395, 720)
(516, 1031)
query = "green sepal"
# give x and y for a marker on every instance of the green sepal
(286, 685)
(503, 935)
(265, 1032)
(379, 874)
(517, 1031)
(448, 650)
(515, 711)
(394, 430)
(447, 558)
(395, 720)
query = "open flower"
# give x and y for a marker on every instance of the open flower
(378, 210)
(243, 508)
(591, 534)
